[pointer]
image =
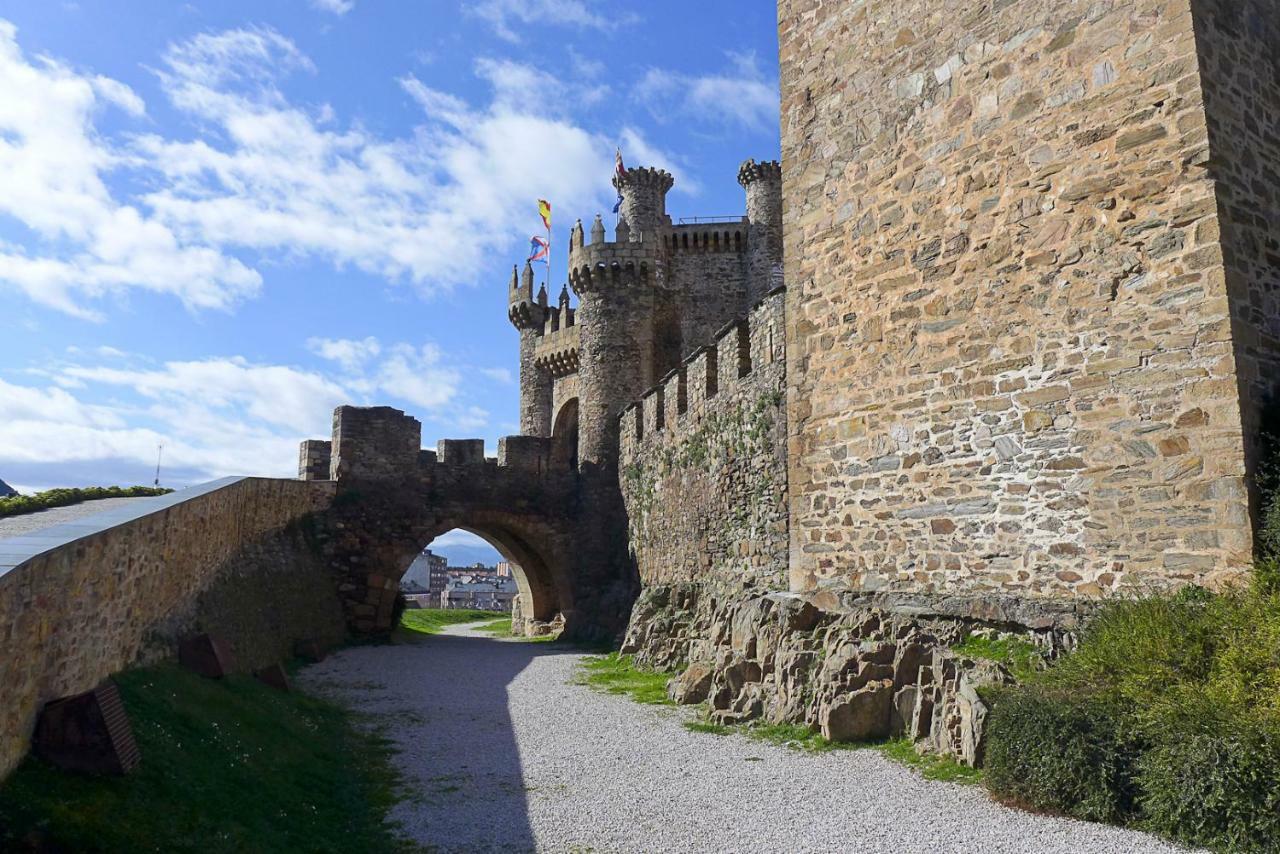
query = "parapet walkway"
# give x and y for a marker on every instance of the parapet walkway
(503, 753)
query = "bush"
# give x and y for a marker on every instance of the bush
(1062, 752)
(1210, 776)
(16, 505)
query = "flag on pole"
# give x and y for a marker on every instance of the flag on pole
(544, 211)
(538, 249)
(621, 172)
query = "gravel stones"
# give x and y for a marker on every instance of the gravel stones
(502, 752)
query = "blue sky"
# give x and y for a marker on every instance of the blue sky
(219, 220)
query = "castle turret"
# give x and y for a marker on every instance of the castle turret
(763, 183)
(644, 199)
(527, 314)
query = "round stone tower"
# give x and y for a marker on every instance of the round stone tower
(614, 283)
(763, 183)
(527, 314)
(644, 200)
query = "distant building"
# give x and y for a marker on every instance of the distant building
(504, 569)
(491, 594)
(427, 574)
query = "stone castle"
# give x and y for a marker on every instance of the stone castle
(1029, 329)
(655, 294)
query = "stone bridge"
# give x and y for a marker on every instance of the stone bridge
(551, 519)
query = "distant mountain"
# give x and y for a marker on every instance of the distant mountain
(467, 555)
(6, 490)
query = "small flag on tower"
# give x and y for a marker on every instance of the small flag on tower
(544, 211)
(620, 171)
(538, 249)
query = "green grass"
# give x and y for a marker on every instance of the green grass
(929, 766)
(1020, 657)
(16, 505)
(501, 627)
(429, 621)
(617, 674)
(807, 740)
(227, 766)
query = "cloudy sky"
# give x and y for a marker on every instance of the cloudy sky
(219, 220)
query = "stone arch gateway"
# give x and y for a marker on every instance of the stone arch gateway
(393, 498)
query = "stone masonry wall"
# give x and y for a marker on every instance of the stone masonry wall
(234, 559)
(1239, 50)
(703, 466)
(1010, 343)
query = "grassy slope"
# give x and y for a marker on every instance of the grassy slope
(228, 765)
(429, 621)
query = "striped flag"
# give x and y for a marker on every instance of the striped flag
(538, 249)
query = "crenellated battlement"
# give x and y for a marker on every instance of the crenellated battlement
(707, 237)
(557, 352)
(646, 178)
(751, 172)
(685, 396)
(597, 266)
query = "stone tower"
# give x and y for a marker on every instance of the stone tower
(648, 298)
(528, 315)
(763, 183)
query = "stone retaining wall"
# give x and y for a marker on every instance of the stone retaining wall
(855, 666)
(80, 602)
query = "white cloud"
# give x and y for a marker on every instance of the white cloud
(509, 17)
(221, 415)
(52, 168)
(741, 95)
(349, 353)
(337, 7)
(269, 178)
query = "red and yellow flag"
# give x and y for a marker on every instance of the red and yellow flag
(544, 211)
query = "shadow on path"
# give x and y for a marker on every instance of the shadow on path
(443, 700)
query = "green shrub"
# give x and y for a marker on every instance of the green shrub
(16, 505)
(1062, 752)
(1210, 776)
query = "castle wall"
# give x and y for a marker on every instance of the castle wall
(1009, 336)
(231, 558)
(708, 279)
(704, 482)
(1239, 43)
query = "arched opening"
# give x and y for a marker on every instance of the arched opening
(564, 436)
(480, 565)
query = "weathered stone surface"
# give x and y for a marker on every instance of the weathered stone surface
(273, 676)
(859, 716)
(693, 685)
(234, 561)
(1013, 274)
(860, 668)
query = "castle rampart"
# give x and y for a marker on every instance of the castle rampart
(703, 463)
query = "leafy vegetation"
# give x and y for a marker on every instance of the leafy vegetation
(1019, 656)
(618, 674)
(227, 766)
(1166, 717)
(16, 505)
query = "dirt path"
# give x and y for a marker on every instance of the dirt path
(504, 753)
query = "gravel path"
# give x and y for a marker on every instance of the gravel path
(503, 753)
(15, 526)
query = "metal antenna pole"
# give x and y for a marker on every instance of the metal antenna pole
(159, 454)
